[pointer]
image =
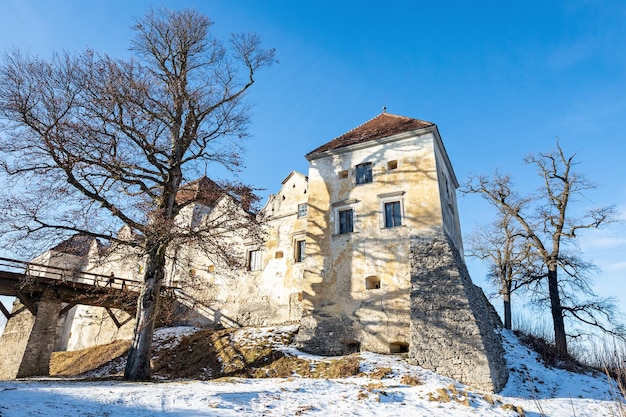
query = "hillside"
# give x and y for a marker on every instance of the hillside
(358, 385)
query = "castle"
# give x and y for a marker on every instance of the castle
(365, 253)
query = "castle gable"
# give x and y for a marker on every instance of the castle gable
(202, 190)
(290, 199)
(381, 126)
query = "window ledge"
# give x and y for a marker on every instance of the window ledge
(393, 228)
(345, 234)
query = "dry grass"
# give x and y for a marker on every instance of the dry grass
(446, 395)
(411, 380)
(550, 356)
(516, 408)
(80, 361)
(210, 354)
(489, 398)
(380, 373)
(441, 396)
(288, 366)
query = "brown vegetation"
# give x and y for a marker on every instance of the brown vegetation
(212, 354)
(550, 356)
(80, 361)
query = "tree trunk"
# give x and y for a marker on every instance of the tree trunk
(560, 338)
(506, 298)
(138, 362)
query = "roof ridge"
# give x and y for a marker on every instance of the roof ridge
(380, 126)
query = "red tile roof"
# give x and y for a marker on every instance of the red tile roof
(202, 190)
(78, 245)
(381, 126)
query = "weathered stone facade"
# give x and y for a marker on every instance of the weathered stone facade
(28, 340)
(454, 331)
(365, 253)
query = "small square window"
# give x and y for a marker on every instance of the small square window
(300, 250)
(391, 165)
(303, 210)
(346, 224)
(254, 260)
(393, 214)
(343, 174)
(279, 254)
(364, 173)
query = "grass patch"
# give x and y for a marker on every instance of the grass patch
(516, 408)
(550, 356)
(76, 362)
(288, 366)
(411, 380)
(446, 395)
(380, 373)
(217, 354)
(210, 354)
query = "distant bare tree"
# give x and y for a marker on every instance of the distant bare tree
(548, 223)
(511, 261)
(92, 143)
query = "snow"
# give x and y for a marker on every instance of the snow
(537, 389)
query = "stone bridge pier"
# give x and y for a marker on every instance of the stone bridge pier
(29, 336)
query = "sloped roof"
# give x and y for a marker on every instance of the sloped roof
(383, 125)
(77, 245)
(203, 190)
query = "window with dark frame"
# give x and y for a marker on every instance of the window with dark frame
(303, 210)
(254, 260)
(300, 248)
(393, 214)
(346, 221)
(364, 173)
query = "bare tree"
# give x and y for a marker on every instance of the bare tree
(512, 264)
(547, 220)
(92, 143)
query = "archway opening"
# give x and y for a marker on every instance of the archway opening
(372, 283)
(398, 347)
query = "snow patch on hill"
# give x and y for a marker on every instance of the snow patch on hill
(532, 387)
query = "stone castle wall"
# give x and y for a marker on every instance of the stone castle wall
(454, 329)
(28, 340)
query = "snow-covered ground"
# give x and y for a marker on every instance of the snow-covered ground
(536, 389)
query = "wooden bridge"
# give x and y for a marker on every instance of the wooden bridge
(28, 281)
(45, 294)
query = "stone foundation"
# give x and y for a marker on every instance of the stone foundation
(28, 341)
(454, 329)
(329, 336)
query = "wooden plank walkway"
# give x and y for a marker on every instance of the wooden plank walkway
(27, 281)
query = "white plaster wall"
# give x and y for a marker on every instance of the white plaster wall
(337, 270)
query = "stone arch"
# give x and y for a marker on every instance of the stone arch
(372, 282)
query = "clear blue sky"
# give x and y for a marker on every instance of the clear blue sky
(500, 79)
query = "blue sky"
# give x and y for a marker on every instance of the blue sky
(500, 79)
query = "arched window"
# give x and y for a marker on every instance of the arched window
(351, 346)
(372, 282)
(398, 347)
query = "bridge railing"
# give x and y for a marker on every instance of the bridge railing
(32, 270)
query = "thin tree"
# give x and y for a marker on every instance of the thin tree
(92, 143)
(549, 222)
(509, 256)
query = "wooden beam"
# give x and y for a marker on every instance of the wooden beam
(30, 306)
(67, 308)
(115, 320)
(5, 311)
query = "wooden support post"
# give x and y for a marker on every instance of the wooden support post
(5, 311)
(30, 306)
(67, 308)
(115, 320)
